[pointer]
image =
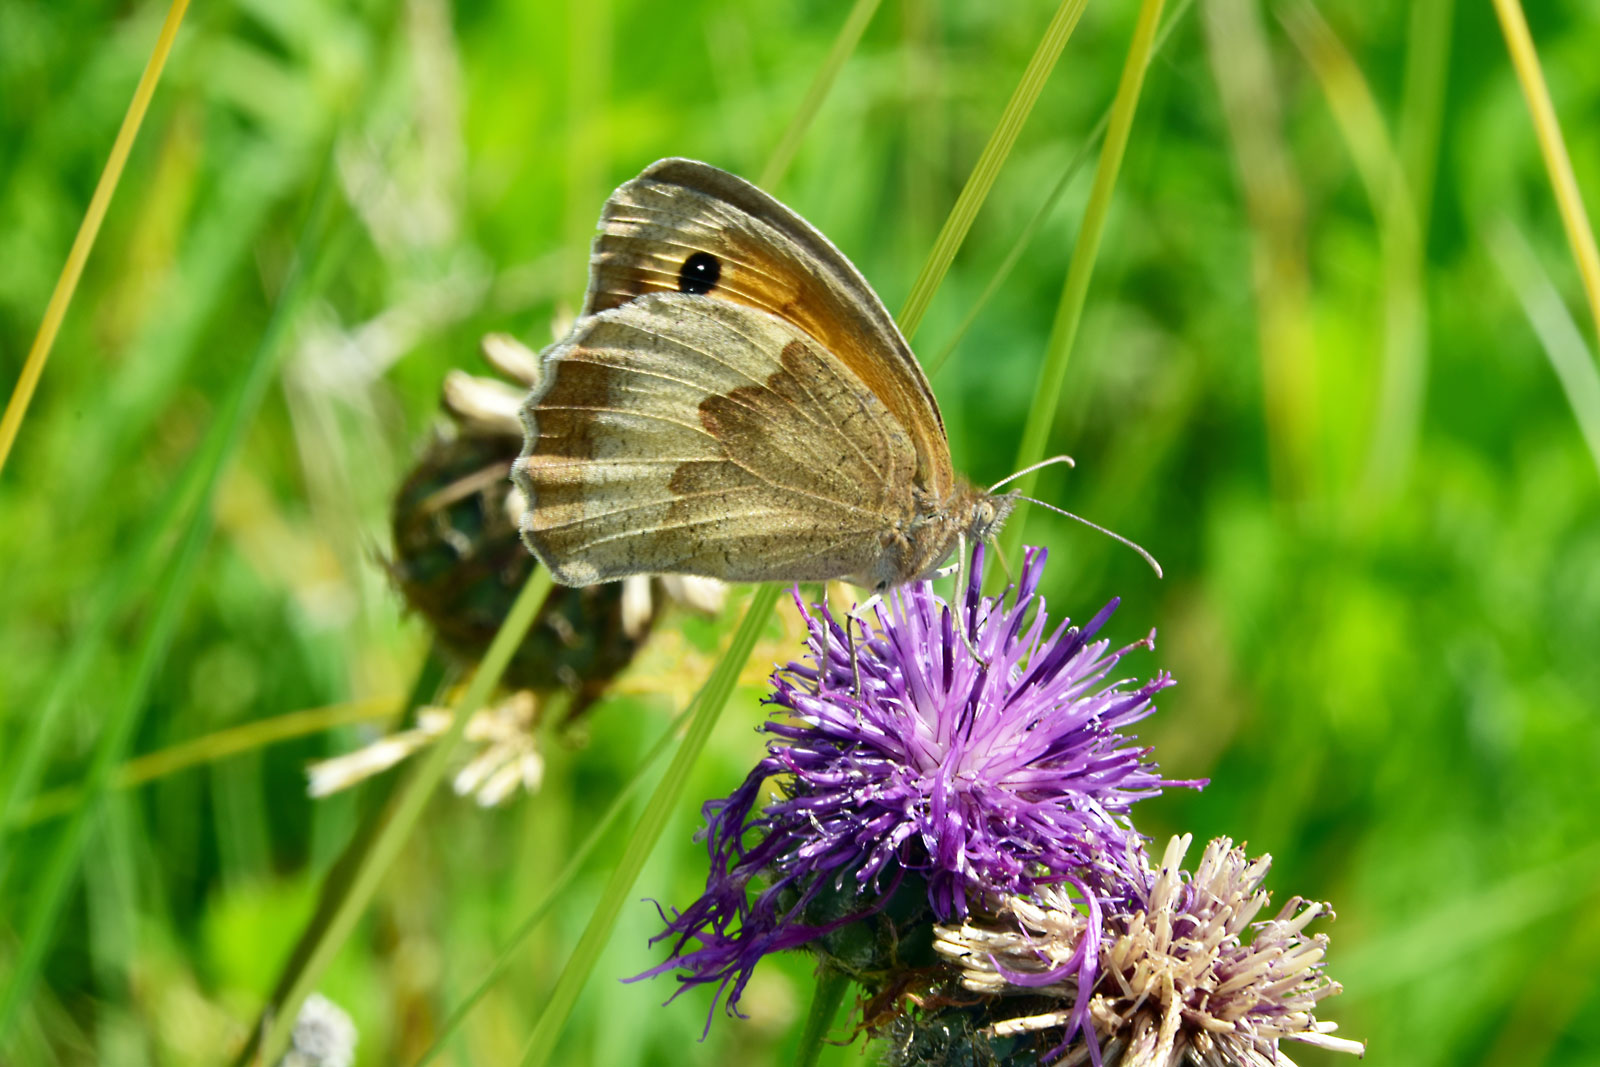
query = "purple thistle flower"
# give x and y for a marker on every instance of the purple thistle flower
(987, 762)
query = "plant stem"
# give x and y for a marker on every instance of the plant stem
(392, 827)
(831, 985)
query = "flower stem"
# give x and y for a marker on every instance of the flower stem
(831, 984)
(349, 889)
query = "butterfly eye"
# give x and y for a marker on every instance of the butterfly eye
(700, 273)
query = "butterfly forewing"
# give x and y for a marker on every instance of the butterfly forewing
(677, 432)
(687, 227)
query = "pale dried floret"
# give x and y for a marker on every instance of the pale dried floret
(1188, 978)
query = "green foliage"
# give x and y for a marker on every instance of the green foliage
(1386, 641)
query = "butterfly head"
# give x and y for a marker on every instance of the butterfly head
(987, 513)
(969, 515)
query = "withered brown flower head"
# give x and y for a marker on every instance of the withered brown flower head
(1190, 978)
(459, 559)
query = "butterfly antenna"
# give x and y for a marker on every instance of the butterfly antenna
(1030, 469)
(1148, 558)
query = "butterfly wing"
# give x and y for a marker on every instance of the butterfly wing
(680, 433)
(683, 226)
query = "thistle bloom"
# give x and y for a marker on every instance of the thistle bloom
(986, 761)
(1179, 982)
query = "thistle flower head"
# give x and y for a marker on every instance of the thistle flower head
(976, 747)
(1184, 977)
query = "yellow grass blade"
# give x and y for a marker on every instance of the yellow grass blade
(1579, 233)
(56, 310)
(221, 744)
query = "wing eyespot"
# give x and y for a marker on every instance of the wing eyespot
(699, 274)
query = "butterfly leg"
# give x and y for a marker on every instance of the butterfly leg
(972, 649)
(827, 639)
(857, 614)
(959, 599)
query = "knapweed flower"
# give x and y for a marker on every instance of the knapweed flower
(973, 748)
(1183, 976)
(459, 560)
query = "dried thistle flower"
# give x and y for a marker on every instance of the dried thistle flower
(460, 562)
(1184, 977)
(509, 756)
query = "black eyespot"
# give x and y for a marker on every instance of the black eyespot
(700, 273)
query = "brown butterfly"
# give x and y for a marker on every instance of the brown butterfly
(735, 401)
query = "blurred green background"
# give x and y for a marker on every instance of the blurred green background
(1310, 389)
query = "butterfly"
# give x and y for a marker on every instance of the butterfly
(735, 401)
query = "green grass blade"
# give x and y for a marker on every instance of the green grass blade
(171, 595)
(1422, 99)
(83, 243)
(152, 546)
(232, 741)
(1403, 389)
(1563, 342)
(844, 45)
(1036, 223)
(112, 598)
(663, 802)
(558, 885)
(54, 882)
(394, 824)
(990, 160)
(1404, 344)
(1042, 413)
